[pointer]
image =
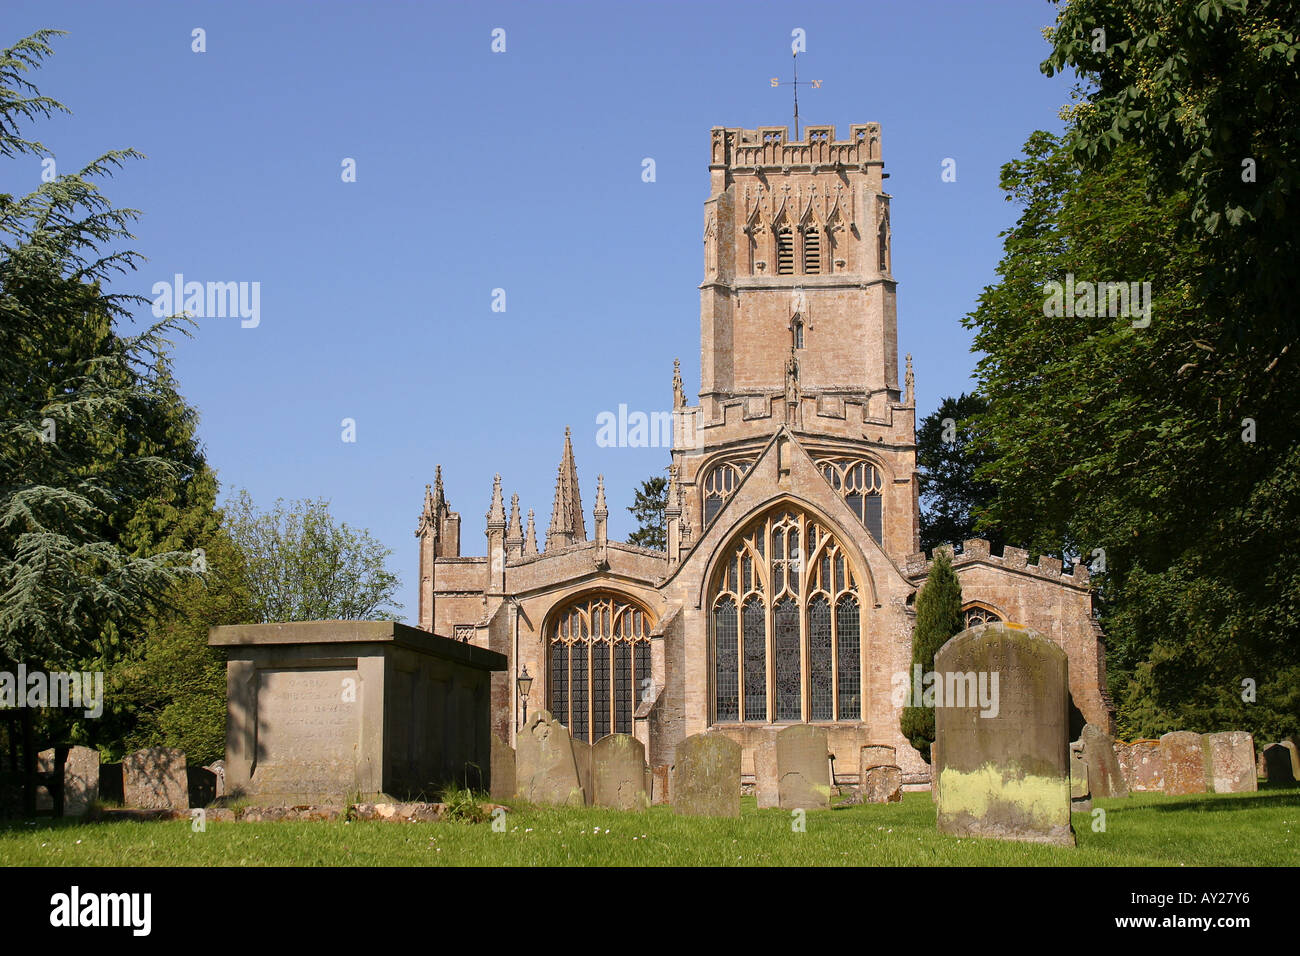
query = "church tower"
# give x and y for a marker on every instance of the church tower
(798, 325)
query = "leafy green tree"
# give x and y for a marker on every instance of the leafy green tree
(648, 508)
(300, 565)
(952, 498)
(938, 618)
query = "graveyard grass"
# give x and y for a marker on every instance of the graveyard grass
(1250, 829)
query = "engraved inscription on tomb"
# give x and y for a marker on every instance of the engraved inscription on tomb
(307, 715)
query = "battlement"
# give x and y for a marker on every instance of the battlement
(770, 147)
(977, 551)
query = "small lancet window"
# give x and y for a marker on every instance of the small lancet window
(798, 333)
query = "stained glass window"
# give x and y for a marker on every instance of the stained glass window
(820, 659)
(726, 704)
(600, 665)
(849, 645)
(755, 659)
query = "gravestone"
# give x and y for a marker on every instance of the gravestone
(1144, 769)
(934, 773)
(870, 757)
(218, 769)
(1105, 778)
(706, 776)
(659, 784)
(545, 769)
(502, 770)
(1004, 771)
(882, 784)
(803, 768)
(1277, 764)
(582, 760)
(80, 781)
(1080, 794)
(1183, 757)
(618, 773)
(1230, 762)
(766, 787)
(155, 779)
(1290, 745)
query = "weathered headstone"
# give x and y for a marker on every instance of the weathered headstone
(155, 779)
(1004, 769)
(618, 773)
(877, 755)
(1277, 764)
(934, 773)
(218, 768)
(1105, 778)
(802, 767)
(1144, 766)
(502, 772)
(1080, 794)
(706, 776)
(1230, 762)
(582, 760)
(882, 784)
(545, 770)
(659, 775)
(1184, 762)
(1294, 751)
(80, 781)
(766, 782)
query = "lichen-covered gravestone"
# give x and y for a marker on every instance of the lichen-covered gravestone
(80, 781)
(1105, 779)
(155, 779)
(618, 773)
(803, 768)
(706, 776)
(545, 771)
(502, 771)
(1183, 757)
(766, 782)
(1143, 766)
(1004, 769)
(882, 785)
(1230, 761)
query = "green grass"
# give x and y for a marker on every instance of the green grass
(1256, 829)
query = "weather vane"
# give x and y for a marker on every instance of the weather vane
(815, 84)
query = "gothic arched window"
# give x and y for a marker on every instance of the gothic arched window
(718, 485)
(798, 333)
(600, 665)
(974, 615)
(787, 634)
(860, 484)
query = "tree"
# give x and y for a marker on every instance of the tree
(952, 498)
(648, 509)
(938, 617)
(75, 469)
(301, 566)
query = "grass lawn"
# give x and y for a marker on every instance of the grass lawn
(1254, 829)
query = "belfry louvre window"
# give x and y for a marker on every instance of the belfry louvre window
(786, 625)
(599, 665)
(812, 251)
(860, 484)
(784, 251)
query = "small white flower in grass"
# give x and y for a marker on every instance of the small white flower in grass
(529, 830)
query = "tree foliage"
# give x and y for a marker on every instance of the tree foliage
(302, 566)
(648, 508)
(952, 498)
(938, 618)
(96, 463)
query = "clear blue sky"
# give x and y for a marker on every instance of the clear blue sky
(519, 170)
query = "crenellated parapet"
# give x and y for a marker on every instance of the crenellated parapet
(978, 551)
(771, 146)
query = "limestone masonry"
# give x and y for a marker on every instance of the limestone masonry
(786, 592)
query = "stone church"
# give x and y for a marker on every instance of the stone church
(786, 592)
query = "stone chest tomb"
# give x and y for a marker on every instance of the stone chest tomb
(319, 711)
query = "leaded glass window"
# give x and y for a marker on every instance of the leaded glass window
(719, 484)
(600, 665)
(798, 628)
(976, 614)
(860, 484)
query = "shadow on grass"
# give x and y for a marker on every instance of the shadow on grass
(1274, 797)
